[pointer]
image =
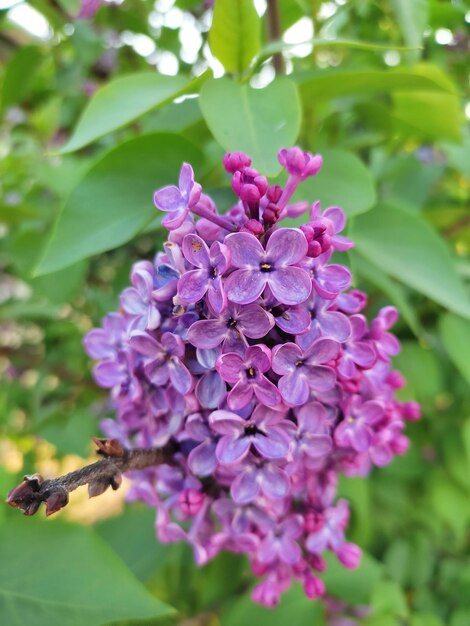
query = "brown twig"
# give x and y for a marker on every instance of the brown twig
(454, 229)
(274, 32)
(98, 476)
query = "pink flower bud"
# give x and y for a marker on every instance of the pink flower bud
(190, 502)
(350, 555)
(236, 161)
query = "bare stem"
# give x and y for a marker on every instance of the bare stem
(274, 32)
(98, 476)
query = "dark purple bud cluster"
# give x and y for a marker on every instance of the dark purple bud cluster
(242, 347)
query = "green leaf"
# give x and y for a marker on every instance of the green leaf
(460, 617)
(412, 17)
(113, 202)
(390, 288)
(425, 619)
(294, 608)
(352, 586)
(422, 371)
(335, 83)
(405, 246)
(343, 181)
(64, 575)
(121, 101)
(257, 121)
(389, 599)
(140, 551)
(423, 110)
(20, 75)
(455, 333)
(235, 34)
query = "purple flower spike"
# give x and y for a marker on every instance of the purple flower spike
(248, 375)
(273, 266)
(264, 431)
(302, 371)
(243, 354)
(178, 200)
(212, 264)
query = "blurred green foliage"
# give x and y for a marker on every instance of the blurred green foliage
(97, 114)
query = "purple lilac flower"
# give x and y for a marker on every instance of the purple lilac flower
(274, 266)
(177, 201)
(211, 264)
(324, 321)
(163, 359)
(266, 431)
(236, 323)
(356, 353)
(242, 350)
(356, 429)
(247, 375)
(138, 301)
(302, 371)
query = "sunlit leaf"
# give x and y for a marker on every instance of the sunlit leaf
(405, 246)
(235, 34)
(114, 200)
(256, 121)
(84, 582)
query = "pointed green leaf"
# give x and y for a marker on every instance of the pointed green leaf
(113, 201)
(121, 101)
(405, 246)
(55, 574)
(235, 34)
(334, 83)
(257, 121)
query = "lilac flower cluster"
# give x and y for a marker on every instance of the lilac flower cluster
(242, 347)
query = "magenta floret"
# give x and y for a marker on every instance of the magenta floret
(242, 346)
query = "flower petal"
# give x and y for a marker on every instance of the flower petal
(210, 390)
(231, 450)
(294, 388)
(229, 366)
(284, 358)
(290, 285)
(196, 251)
(202, 460)
(245, 488)
(246, 251)
(266, 392)
(322, 351)
(320, 377)
(240, 395)
(193, 285)
(274, 482)
(245, 286)
(168, 199)
(286, 246)
(180, 376)
(207, 333)
(254, 321)
(274, 445)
